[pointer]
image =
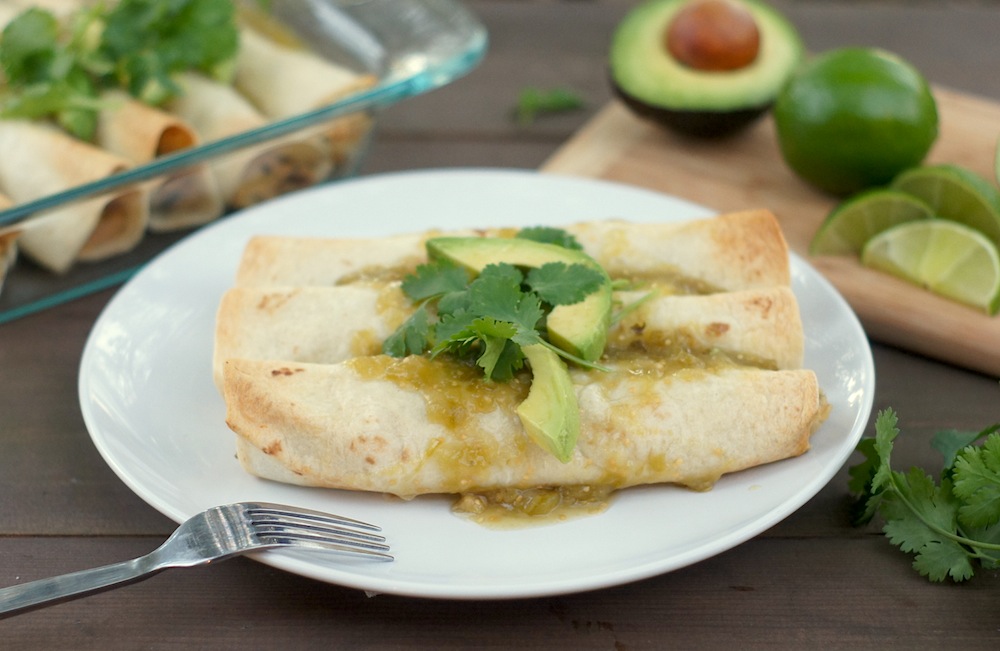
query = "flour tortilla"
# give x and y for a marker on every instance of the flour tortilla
(284, 82)
(329, 425)
(39, 161)
(329, 325)
(740, 250)
(258, 172)
(141, 133)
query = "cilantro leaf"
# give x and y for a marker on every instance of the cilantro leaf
(946, 525)
(557, 283)
(45, 73)
(861, 476)
(497, 293)
(938, 560)
(950, 442)
(148, 41)
(977, 482)
(29, 45)
(532, 102)
(550, 235)
(435, 279)
(500, 356)
(411, 337)
(57, 69)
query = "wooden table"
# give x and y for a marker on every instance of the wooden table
(812, 581)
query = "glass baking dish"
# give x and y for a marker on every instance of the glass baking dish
(403, 47)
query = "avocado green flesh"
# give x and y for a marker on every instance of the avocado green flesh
(550, 414)
(643, 71)
(580, 328)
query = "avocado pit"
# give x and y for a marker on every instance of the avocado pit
(713, 35)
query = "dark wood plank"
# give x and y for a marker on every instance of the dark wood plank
(765, 594)
(812, 581)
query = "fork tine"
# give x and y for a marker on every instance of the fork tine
(282, 525)
(287, 525)
(339, 543)
(279, 510)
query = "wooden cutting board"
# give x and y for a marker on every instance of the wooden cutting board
(747, 172)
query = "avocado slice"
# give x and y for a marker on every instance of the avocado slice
(580, 328)
(550, 414)
(691, 94)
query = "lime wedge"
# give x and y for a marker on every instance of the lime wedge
(855, 221)
(955, 193)
(945, 257)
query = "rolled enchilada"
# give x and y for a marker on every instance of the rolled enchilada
(739, 250)
(140, 133)
(412, 426)
(256, 172)
(39, 161)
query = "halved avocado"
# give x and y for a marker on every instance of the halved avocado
(691, 94)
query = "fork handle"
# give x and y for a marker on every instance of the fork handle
(44, 592)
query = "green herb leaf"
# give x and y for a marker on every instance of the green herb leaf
(410, 338)
(557, 283)
(149, 40)
(550, 235)
(433, 280)
(490, 317)
(947, 526)
(57, 70)
(977, 481)
(950, 442)
(45, 73)
(533, 102)
(29, 45)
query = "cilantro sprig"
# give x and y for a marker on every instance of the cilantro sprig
(57, 69)
(949, 525)
(490, 317)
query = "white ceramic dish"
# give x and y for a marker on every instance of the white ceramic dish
(152, 410)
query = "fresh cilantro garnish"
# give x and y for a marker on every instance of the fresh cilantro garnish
(147, 41)
(435, 280)
(57, 69)
(491, 317)
(410, 338)
(49, 72)
(948, 525)
(556, 285)
(533, 102)
(550, 235)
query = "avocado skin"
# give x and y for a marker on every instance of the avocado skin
(699, 104)
(698, 124)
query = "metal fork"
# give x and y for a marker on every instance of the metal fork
(213, 535)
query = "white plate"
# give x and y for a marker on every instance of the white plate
(152, 410)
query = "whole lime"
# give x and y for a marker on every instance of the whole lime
(853, 118)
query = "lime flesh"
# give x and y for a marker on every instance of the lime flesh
(945, 257)
(855, 221)
(956, 194)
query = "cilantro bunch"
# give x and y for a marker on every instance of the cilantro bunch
(57, 70)
(490, 317)
(949, 525)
